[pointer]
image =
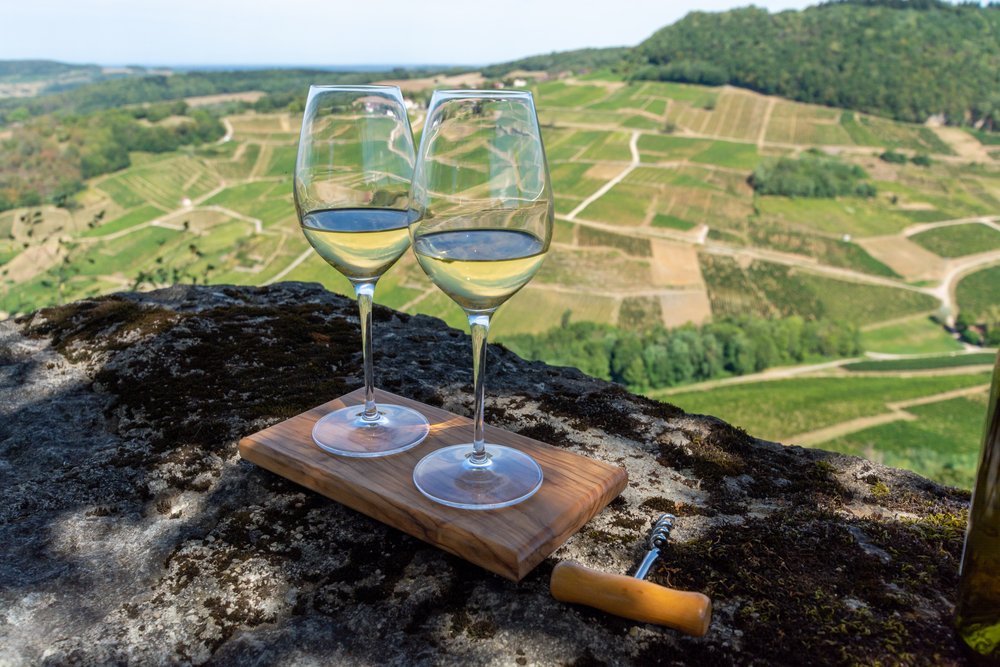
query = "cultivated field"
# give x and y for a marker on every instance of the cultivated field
(654, 213)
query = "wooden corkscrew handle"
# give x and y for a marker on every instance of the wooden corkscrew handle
(632, 598)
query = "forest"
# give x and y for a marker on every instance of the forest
(812, 175)
(576, 60)
(46, 160)
(908, 60)
(114, 93)
(660, 357)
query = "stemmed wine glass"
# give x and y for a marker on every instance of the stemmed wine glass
(352, 180)
(482, 224)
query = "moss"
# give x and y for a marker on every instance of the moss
(629, 523)
(880, 490)
(801, 574)
(609, 409)
(604, 537)
(665, 505)
(81, 329)
(228, 366)
(804, 581)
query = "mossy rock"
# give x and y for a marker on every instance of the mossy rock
(133, 533)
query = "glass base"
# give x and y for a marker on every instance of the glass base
(449, 477)
(343, 432)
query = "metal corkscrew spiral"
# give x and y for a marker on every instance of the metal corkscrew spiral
(658, 537)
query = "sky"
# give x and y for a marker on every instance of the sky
(330, 32)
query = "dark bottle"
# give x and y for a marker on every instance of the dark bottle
(977, 613)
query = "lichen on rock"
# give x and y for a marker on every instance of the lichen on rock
(134, 533)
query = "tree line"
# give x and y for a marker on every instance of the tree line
(905, 59)
(662, 357)
(45, 161)
(115, 93)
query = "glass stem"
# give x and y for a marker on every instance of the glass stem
(365, 292)
(479, 325)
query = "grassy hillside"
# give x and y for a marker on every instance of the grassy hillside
(783, 409)
(682, 236)
(657, 226)
(904, 59)
(27, 78)
(562, 60)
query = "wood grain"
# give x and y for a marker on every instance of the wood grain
(644, 601)
(509, 541)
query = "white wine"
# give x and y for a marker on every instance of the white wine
(361, 243)
(480, 268)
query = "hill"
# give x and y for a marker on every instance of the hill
(282, 84)
(27, 70)
(659, 224)
(907, 60)
(27, 78)
(576, 60)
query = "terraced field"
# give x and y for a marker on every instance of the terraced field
(656, 223)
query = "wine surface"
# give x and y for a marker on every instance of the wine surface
(480, 268)
(361, 243)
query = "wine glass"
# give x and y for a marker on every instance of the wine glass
(482, 224)
(352, 180)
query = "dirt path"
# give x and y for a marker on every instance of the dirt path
(291, 267)
(897, 412)
(417, 299)
(634, 150)
(958, 269)
(989, 221)
(228, 136)
(779, 373)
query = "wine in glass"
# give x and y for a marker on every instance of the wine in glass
(352, 180)
(482, 224)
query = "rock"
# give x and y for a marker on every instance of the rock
(133, 533)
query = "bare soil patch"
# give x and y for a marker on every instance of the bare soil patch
(602, 171)
(674, 265)
(470, 79)
(250, 96)
(33, 261)
(679, 308)
(905, 257)
(963, 143)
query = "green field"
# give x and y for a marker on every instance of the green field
(671, 222)
(922, 363)
(130, 219)
(843, 215)
(164, 182)
(698, 147)
(979, 292)
(915, 335)
(828, 250)
(959, 240)
(868, 130)
(942, 443)
(769, 289)
(780, 409)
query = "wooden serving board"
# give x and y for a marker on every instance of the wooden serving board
(509, 541)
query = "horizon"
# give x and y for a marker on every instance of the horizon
(442, 31)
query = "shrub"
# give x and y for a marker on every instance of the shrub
(893, 157)
(812, 175)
